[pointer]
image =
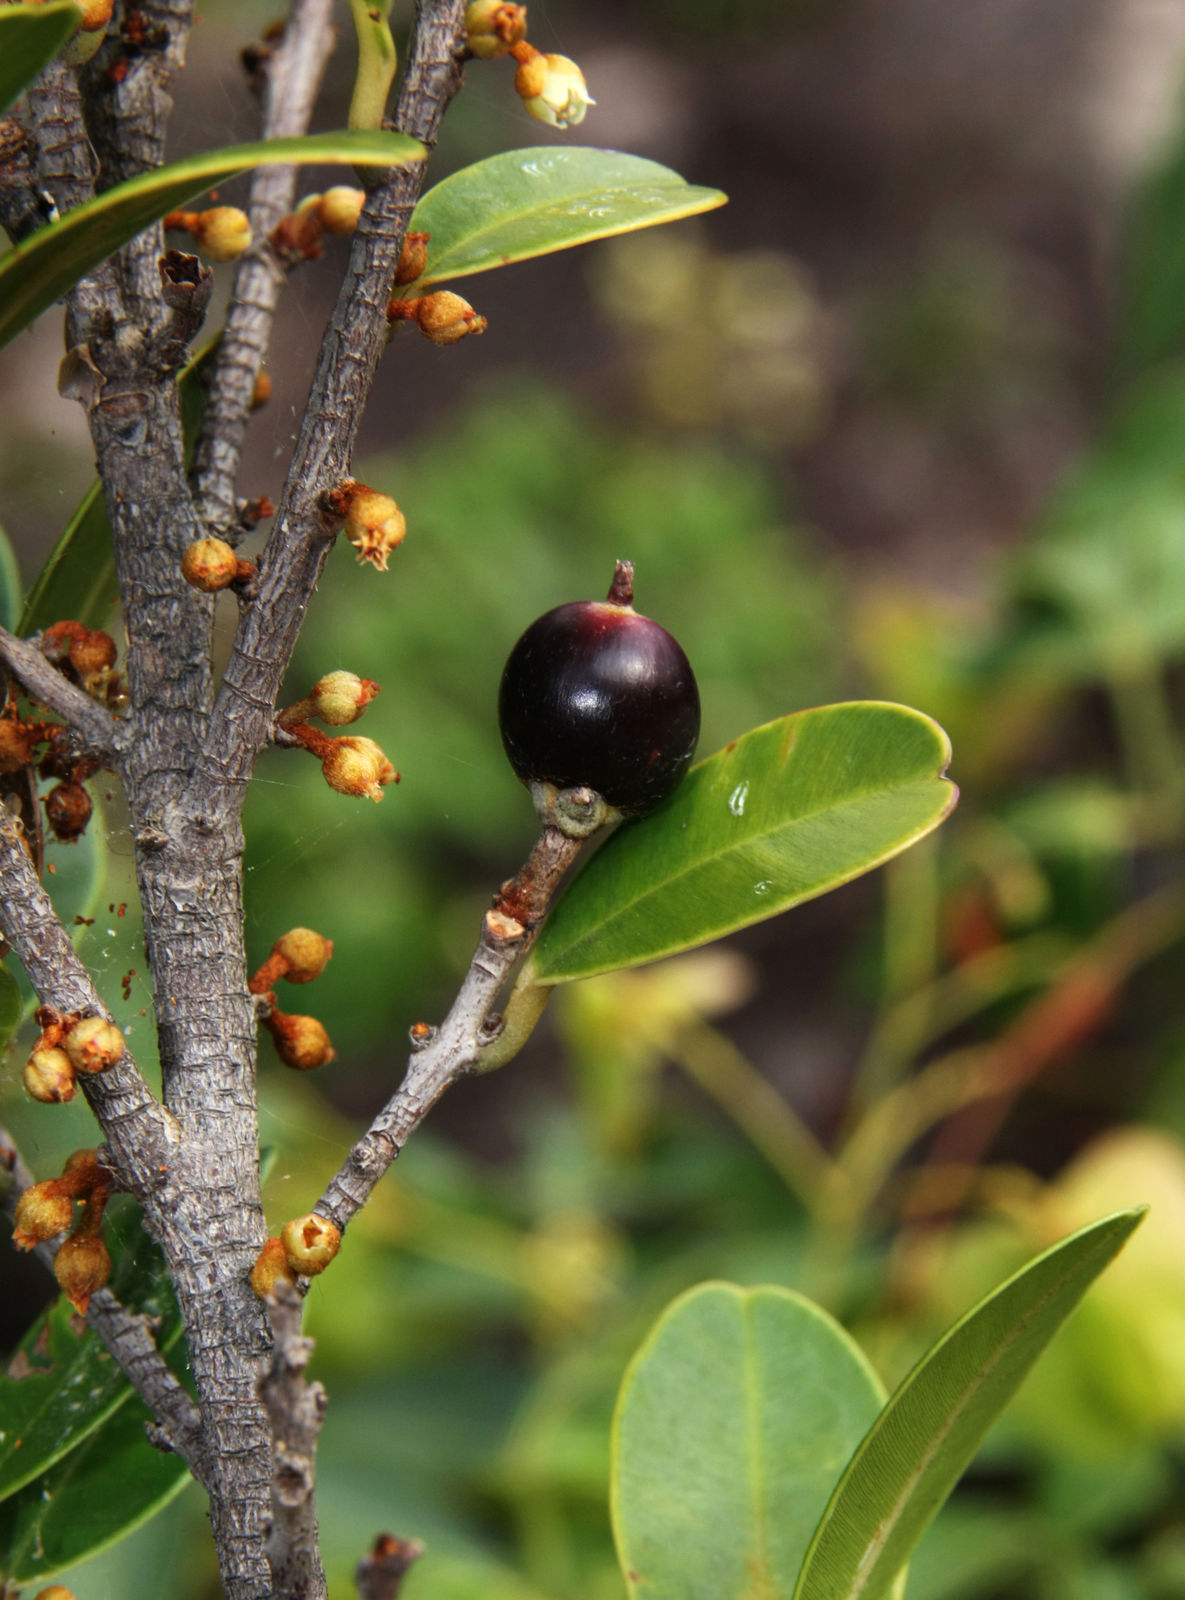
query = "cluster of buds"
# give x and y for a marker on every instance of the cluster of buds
(551, 87)
(221, 233)
(349, 763)
(442, 317)
(297, 237)
(299, 956)
(87, 657)
(372, 522)
(211, 564)
(66, 1046)
(46, 1210)
(67, 806)
(305, 1247)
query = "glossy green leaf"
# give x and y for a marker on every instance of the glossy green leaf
(735, 1420)
(111, 1484)
(10, 1006)
(36, 272)
(782, 814)
(30, 37)
(78, 579)
(930, 1429)
(10, 580)
(527, 203)
(61, 1384)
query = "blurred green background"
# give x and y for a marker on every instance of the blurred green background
(904, 420)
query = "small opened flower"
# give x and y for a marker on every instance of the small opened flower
(372, 522)
(552, 88)
(310, 1243)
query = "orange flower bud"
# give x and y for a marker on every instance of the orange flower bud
(68, 810)
(94, 1044)
(355, 765)
(445, 317)
(340, 208)
(310, 1243)
(94, 651)
(55, 1591)
(492, 26)
(305, 954)
(42, 1212)
(302, 1043)
(271, 1267)
(81, 1266)
(413, 258)
(211, 564)
(49, 1077)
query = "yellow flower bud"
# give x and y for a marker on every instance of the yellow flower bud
(42, 1212)
(94, 1044)
(445, 317)
(340, 698)
(304, 953)
(211, 564)
(302, 1043)
(223, 232)
(340, 208)
(355, 765)
(49, 1077)
(81, 1266)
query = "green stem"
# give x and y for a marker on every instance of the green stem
(377, 61)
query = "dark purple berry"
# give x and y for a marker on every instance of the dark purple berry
(596, 696)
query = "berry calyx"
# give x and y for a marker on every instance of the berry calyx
(595, 696)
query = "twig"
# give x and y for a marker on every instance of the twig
(295, 553)
(467, 1030)
(127, 1336)
(96, 730)
(293, 75)
(380, 1575)
(139, 1132)
(295, 1410)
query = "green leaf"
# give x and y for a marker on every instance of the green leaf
(10, 1008)
(36, 272)
(61, 1384)
(78, 579)
(734, 1421)
(98, 1493)
(1151, 321)
(10, 577)
(30, 37)
(778, 816)
(528, 203)
(932, 1426)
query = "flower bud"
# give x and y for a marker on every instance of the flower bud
(340, 209)
(310, 1243)
(492, 26)
(262, 392)
(413, 258)
(552, 88)
(68, 810)
(81, 1266)
(94, 651)
(223, 232)
(271, 1267)
(340, 698)
(211, 564)
(355, 765)
(302, 1043)
(42, 1212)
(55, 1591)
(94, 1044)
(49, 1077)
(305, 954)
(445, 317)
